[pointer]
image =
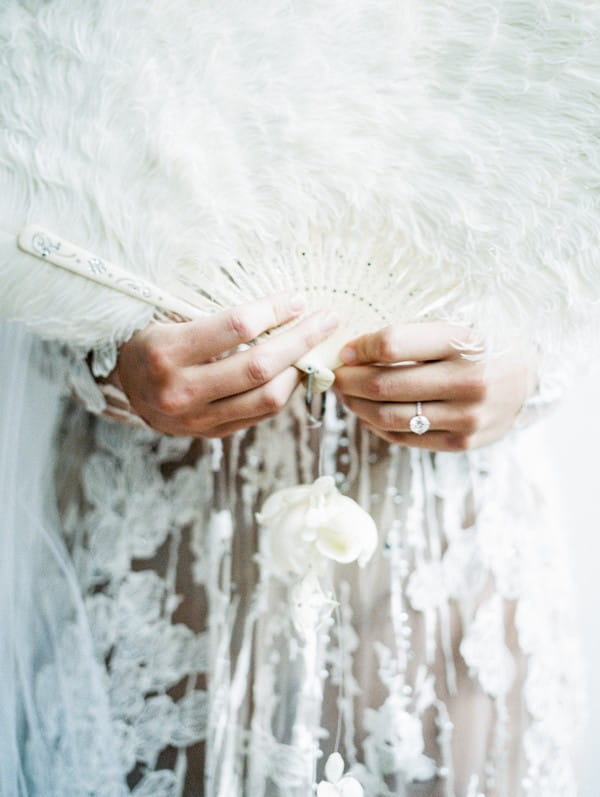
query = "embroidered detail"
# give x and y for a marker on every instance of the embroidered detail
(144, 535)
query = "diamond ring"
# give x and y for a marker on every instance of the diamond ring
(419, 423)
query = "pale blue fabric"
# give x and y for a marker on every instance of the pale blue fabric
(54, 719)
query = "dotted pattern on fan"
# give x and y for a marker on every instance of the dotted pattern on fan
(367, 293)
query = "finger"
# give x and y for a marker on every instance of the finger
(196, 342)
(268, 399)
(458, 380)
(199, 428)
(432, 441)
(442, 415)
(236, 426)
(436, 340)
(260, 364)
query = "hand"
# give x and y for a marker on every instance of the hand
(173, 381)
(469, 404)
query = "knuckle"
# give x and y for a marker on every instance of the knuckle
(313, 333)
(376, 386)
(386, 417)
(474, 387)
(167, 402)
(459, 442)
(387, 345)
(158, 359)
(171, 400)
(241, 326)
(470, 422)
(273, 399)
(259, 369)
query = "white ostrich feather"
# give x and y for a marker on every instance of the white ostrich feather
(451, 146)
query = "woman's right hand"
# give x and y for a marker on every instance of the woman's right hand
(175, 383)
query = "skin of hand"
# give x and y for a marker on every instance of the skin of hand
(469, 403)
(177, 379)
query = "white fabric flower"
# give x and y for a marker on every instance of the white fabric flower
(336, 784)
(396, 736)
(311, 607)
(308, 521)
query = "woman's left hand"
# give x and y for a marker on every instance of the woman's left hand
(468, 403)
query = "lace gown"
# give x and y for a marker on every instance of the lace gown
(449, 667)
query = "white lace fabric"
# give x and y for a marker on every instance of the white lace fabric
(449, 666)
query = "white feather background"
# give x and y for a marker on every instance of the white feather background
(453, 145)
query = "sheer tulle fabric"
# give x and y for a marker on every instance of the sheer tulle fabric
(56, 737)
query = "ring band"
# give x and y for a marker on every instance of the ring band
(419, 423)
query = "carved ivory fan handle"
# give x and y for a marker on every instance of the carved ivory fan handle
(38, 242)
(46, 246)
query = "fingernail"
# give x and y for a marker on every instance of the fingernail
(329, 322)
(296, 302)
(348, 355)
